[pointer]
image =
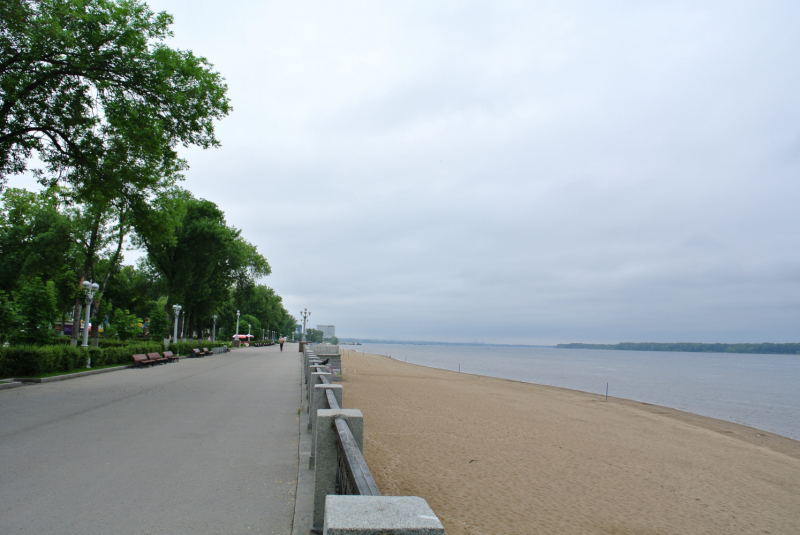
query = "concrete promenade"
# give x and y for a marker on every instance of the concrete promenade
(201, 446)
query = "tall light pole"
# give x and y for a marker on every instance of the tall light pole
(305, 313)
(177, 309)
(90, 288)
(214, 330)
(237, 324)
(262, 335)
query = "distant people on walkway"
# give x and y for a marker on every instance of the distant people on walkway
(282, 340)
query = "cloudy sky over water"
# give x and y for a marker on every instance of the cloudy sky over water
(513, 172)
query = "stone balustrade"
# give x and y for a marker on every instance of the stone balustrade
(349, 513)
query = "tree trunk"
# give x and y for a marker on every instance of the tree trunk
(96, 330)
(76, 322)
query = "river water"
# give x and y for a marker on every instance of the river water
(761, 391)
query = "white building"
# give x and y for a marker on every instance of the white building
(328, 331)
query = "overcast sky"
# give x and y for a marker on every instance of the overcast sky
(513, 172)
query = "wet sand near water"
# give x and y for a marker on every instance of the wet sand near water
(493, 456)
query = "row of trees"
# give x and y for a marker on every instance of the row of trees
(195, 259)
(95, 104)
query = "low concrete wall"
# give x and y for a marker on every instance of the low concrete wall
(323, 350)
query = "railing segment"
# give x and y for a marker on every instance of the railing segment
(347, 500)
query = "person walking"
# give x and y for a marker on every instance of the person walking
(282, 340)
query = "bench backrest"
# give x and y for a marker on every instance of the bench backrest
(195, 350)
(168, 354)
(139, 358)
(153, 356)
(205, 349)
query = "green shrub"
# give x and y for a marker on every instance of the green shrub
(21, 361)
(184, 348)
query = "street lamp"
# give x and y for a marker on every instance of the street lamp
(248, 332)
(305, 313)
(177, 309)
(90, 288)
(262, 335)
(214, 330)
(237, 324)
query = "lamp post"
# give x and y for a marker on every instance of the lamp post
(248, 332)
(177, 309)
(90, 288)
(214, 330)
(305, 313)
(262, 335)
(237, 324)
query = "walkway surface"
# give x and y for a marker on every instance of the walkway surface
(201, 446)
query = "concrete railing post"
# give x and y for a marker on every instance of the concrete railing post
(314, 379)
(312, 362)
(327, 456)
(320, 401)
(389, 515)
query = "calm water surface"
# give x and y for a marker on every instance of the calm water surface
(762, 391)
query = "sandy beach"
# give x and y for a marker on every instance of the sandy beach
(494, 456)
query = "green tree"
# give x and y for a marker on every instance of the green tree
(36, 311)
(8, 317)
(89, 83)
(158, 322)
(125, 325)
(255, 326)
(314, 336)
(199, 258)
(35, 236)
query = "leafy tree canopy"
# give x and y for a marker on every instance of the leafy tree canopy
(91, 86)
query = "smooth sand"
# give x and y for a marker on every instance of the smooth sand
(494, 456)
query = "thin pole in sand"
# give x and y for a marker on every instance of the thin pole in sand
(606, 391)
(459, 367)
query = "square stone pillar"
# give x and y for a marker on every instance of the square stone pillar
(312, 361)
(380, 515)
(326, 454)
(315, 378)
(320, 401)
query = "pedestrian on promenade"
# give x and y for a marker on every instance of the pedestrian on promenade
(282, 340)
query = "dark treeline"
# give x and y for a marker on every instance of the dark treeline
(690, 347)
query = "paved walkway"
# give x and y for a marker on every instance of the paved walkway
(202, 446)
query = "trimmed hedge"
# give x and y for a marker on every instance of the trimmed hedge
(22, 361)
(184, 348)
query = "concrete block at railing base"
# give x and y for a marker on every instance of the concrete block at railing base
(320, 401)
(380, 515)
(326, 454)
(314, 379)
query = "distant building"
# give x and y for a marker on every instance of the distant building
(328, 331)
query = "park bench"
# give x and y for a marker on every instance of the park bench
(207, 352)
(171, 357)
(140, 361)
(155, 358)
(196, 353)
